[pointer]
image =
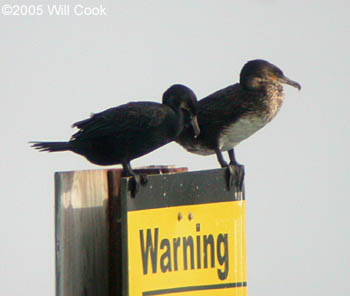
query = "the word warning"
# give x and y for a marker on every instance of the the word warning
(188, 250)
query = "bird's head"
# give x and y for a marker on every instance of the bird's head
(180, 97)
(257, 73)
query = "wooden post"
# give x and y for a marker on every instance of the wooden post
(81, 233)
(87, 218)
(99, 226)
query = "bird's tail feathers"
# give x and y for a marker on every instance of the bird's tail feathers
(51, 146)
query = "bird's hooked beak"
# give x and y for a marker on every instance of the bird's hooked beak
(195, 126)
(290, 82)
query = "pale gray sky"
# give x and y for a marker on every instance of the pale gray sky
(55, 70)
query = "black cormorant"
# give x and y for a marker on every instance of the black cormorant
(121, 134)
(232, 114)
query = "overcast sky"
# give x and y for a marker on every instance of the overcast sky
(56, 70)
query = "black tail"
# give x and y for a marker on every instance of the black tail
(51, 146)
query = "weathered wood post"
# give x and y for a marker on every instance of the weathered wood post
(184, 233)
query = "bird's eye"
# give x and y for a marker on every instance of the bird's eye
(278, 73)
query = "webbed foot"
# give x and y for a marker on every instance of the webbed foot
(134, 185)
(230, 177)
(239, 173)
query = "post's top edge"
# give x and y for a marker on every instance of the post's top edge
(86, 171)
(163, 169)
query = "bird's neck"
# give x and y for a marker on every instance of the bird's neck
(181, 117)
(179, 123)
(273, 99)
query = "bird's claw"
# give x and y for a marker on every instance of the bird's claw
(134, 185)
(239, 174)
(144, 180)
(135, 182)
(235, 176)
(230, 176)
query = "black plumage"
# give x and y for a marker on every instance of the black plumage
(232, 114)
(121, 134)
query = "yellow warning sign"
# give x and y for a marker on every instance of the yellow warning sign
(188, 250)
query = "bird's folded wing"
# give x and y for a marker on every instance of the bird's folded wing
(128, 118)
